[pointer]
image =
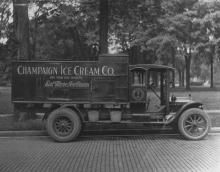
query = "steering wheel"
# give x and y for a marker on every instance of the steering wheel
(152, 84)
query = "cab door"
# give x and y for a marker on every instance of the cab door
(138, 86)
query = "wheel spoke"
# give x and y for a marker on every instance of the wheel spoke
(200, 121)
(190, 122)
(190, 118)
(63, 126)
(190, 129)
(68, 127)
(199, 118)
(187, 126)
(201, 126)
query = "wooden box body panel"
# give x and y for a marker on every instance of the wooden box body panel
(69, 81)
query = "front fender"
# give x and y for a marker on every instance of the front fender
(188, 106)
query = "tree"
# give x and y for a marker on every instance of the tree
(62, 30)
(185, 29)
(209, 26)
(132, 24)
(5, 15)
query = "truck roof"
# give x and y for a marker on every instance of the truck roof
(150, 66)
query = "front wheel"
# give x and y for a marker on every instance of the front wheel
(194, 124)
(63, 125)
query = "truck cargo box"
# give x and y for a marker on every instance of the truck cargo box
(69, 81)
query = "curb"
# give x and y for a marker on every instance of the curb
(215, 130)
(23, 133)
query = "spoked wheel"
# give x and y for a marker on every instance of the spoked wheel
(64, 125)
(194, 124)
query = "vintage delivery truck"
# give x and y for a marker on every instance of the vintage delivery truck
(73, 93)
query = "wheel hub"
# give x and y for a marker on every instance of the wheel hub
(63, 126)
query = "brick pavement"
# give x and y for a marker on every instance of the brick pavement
(150, 153)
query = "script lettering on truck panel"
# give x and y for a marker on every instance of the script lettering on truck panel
(62, 70)
(67, 84)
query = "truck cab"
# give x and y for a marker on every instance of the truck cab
(149, 87)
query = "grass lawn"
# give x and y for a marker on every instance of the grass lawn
(211, 100)
(6, 106)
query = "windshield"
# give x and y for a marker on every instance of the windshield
(157, 89)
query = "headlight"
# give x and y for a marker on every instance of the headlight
(200, 107)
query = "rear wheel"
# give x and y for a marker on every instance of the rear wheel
(63, 125)
(194, 124)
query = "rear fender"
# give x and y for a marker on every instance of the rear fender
(70, 106)
(76, 109)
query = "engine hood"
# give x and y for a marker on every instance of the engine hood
(184, 99)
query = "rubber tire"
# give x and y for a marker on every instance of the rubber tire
(182, 118)
(72, 115)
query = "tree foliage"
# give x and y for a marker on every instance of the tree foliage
(5, 14)
(172, 32)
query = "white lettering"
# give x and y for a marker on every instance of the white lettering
(111, 71)
(104, 70)
(19, 70)
(76, 70)
(81, 71)
(27, 70)
(96, 71)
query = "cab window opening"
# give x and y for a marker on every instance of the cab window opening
(138, 78)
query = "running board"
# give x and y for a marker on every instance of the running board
(150, 116)
(126, 122)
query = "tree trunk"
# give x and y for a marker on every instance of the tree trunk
(103, 17)
(173, 79)
(21, 31)
(79, 45)
(133, 54)
(21, 28)
(180, 77)
(212, 80)
(188, 63)
(183, 78)
(34, 38)
(173, 73)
